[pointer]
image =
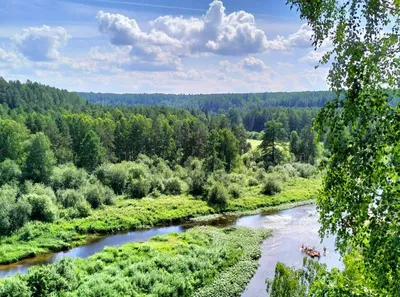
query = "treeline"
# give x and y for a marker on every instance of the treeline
(215, 102)
(295, 110)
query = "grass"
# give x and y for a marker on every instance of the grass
(39, 238)
(204, 261)
(254, 143)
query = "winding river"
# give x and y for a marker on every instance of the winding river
(291, 228)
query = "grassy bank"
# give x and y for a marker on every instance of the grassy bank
(39, 238)
(204, 261)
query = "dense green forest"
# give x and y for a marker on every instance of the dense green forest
(295, 110)
(215, 102)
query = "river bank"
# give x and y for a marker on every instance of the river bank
(38, 238)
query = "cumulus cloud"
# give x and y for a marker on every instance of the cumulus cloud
(171, 38)
(252, 64)
(41, 43)
(9, 59)
(312, 57)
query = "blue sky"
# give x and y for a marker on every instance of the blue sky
(178, 46)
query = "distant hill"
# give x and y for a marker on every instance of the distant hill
(215, 102)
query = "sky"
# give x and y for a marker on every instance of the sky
(159, 46)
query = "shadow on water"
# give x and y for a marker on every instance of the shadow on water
(291, 228)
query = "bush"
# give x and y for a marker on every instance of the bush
(253, 182)
(115, 176)
(235, 191)
(43, 208)
(9, 171)
(67, 176)
(197, 176)
(138, 172)
(39, 189)
(305, 170)
(138, 188)
(218, 196)
(174, 186)
(69, 198)
(271, 186)
(98, 195)
(14, 287)
(13, 213)
(157, 185)
(81, 210)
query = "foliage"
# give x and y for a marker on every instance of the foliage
(9, 172)
(169, 265)
(98, 195)
(286, 282)
(174, 186)
(218, 196)
(43, 207)
(273, 132)
(13, 213)
(271, 186)
(70, 197)
(67, 176)
(138, 188)
(40, 159)
(359, 201)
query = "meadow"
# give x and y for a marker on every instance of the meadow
(204, 261)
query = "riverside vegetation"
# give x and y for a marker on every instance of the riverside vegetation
(203, 261)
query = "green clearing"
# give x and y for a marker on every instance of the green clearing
(254, 143)
(204, 261)
(37, 238)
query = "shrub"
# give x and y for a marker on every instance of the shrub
(14, 287)
(253, 182)
(39, 189)
(69, 198)
(305, 170)
(98, 195)
(174, 186)
(271, 186)
(67, 176)
(115, 176)
(20, 214)
(157, 185)
(138, 171)
(235, 191)
(43, 208)
(197, 176)
(138, 188)
(13, 213)
(9, 171)
(82, 209)
(218, 196)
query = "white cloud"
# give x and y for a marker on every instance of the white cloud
(252, 64)
(171, 38)
(10, 59)
(312, 57)
(41, 43)
(302, 38)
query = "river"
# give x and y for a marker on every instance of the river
(291, 228)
